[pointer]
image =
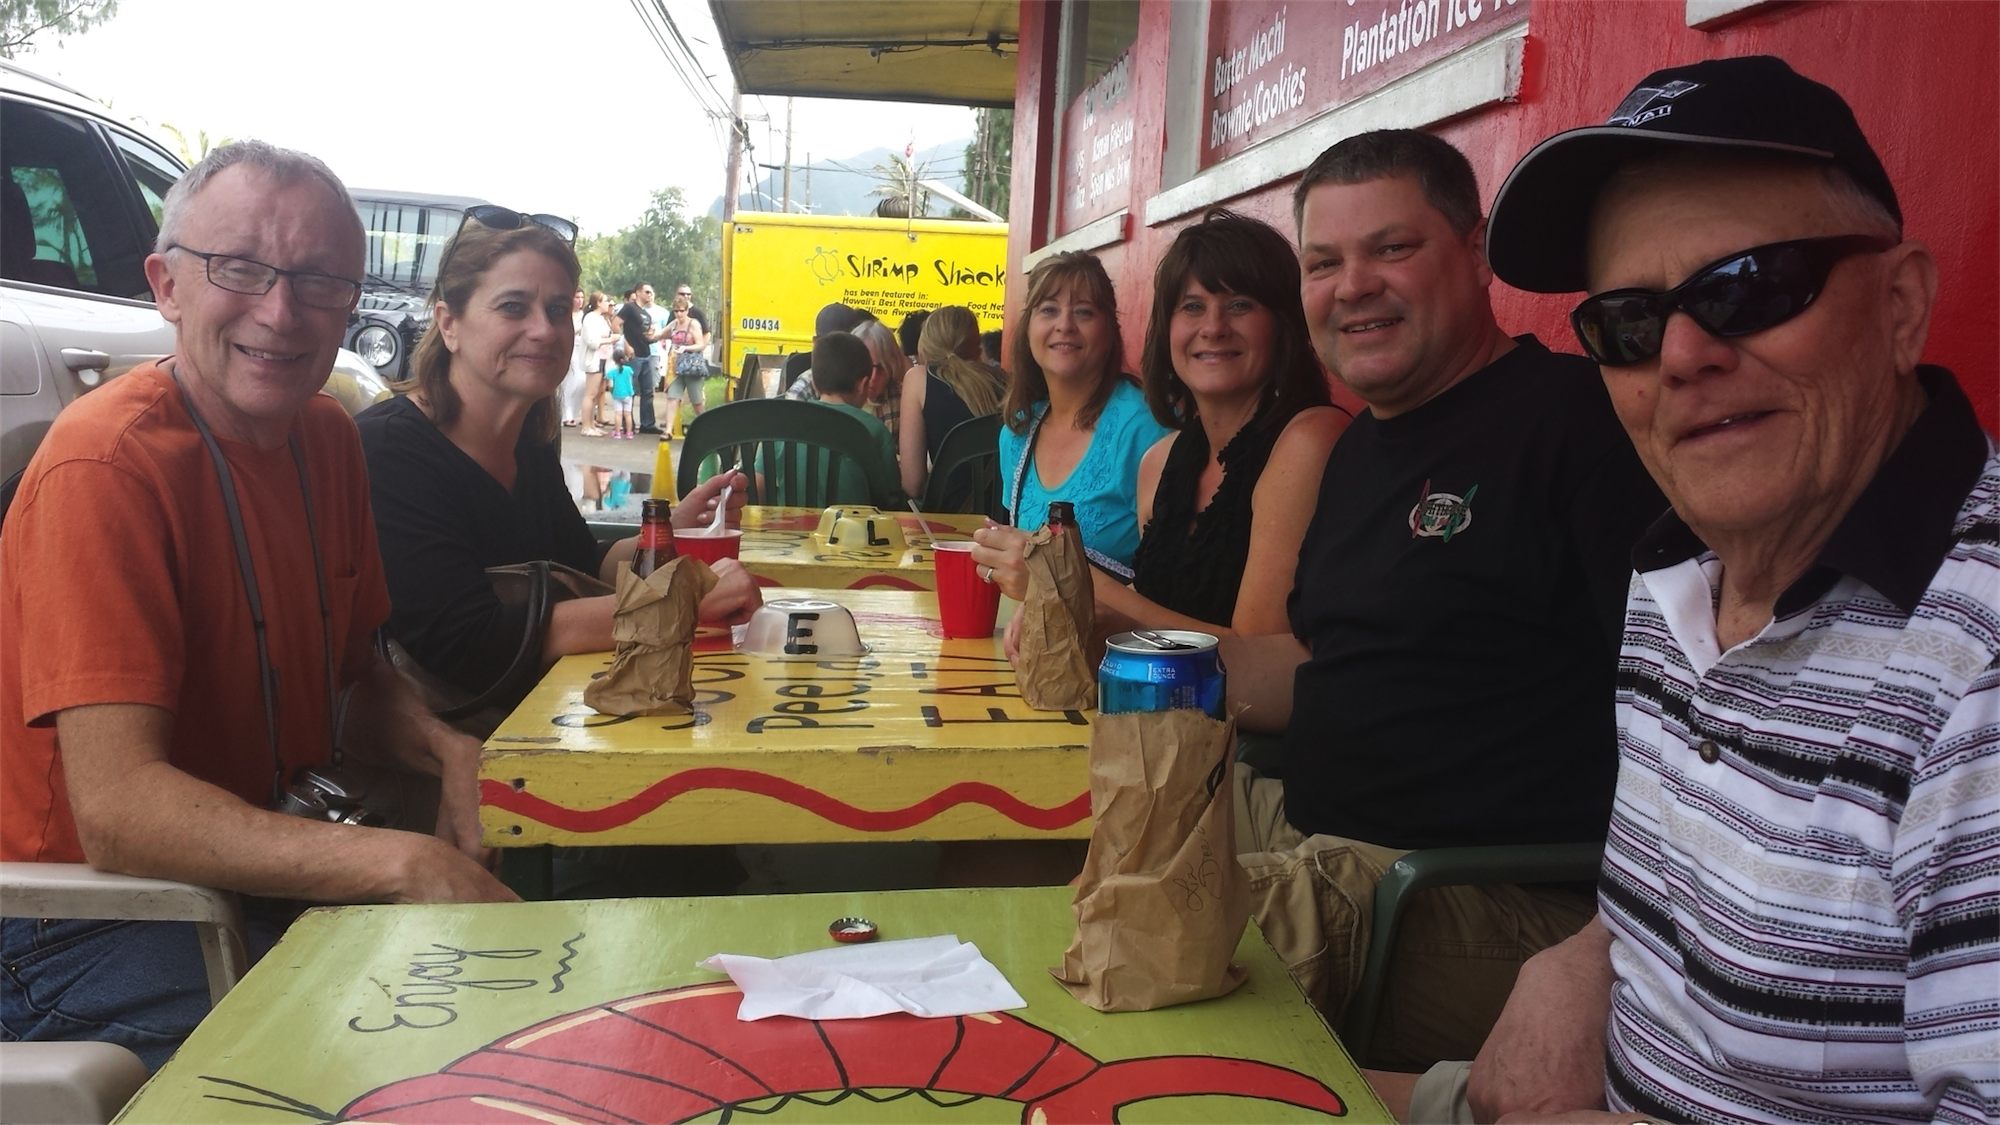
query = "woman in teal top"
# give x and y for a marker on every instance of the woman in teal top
(1076, 426)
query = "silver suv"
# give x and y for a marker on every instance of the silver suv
(81, 194)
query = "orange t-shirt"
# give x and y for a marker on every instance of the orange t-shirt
(119, 584)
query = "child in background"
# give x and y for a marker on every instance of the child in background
(621, 401)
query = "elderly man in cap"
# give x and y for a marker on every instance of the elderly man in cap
(1799, 916)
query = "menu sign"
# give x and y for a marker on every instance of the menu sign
(1270, 68)
(1097, 149)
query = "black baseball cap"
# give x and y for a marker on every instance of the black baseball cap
(1537, 233)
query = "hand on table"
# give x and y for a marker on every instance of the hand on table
(999, 547)
(458, 799)
(697, 508)
(735, 596)
(434, 871)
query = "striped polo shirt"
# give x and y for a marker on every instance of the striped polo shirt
(1802, 880)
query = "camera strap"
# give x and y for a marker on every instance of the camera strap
(267, 673)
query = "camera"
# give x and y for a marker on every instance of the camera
(327, 795)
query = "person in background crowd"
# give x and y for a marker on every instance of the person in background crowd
(684, 295)
(571, 392)
(847, 377)
(798, 365)
(463, 468)
(1075, 424)
(989, 347)
(1799, 914)
(948, 387)
(600, 331)
(1447, 676)
(1225, 501)
(834, 317)
(636, 320)
(622, 424)
(887, 406)
(682, 342)
(135, 732)
(909, 333)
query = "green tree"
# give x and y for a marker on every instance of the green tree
(989, 159)
(665, 248)
(192, 151)
(22, 20)
(903, 196)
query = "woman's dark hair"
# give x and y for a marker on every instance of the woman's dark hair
(466, 261)
(1051, 277)
(1231, 253)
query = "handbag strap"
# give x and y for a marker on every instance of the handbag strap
(527, 656)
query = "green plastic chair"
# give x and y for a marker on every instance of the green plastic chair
(966, 475)
(1448, 867)
(775, 428)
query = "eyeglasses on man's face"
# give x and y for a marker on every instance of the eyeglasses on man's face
(253, 278)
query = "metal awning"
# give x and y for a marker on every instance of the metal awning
(955, 52)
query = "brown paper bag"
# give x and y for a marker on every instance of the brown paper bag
(1054, 668)
(653, 625)
(1161, 902)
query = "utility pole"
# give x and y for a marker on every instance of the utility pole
(735, 156)
(787, 204)
(722, 317)
(809, 181)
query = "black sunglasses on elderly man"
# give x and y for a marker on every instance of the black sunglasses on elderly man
(1738, 295)
(506, 218)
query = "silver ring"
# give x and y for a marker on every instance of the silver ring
(986, 574)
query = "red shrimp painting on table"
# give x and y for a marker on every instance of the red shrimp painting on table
(681, 1054)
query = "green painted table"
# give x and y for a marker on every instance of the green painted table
(596, 1012)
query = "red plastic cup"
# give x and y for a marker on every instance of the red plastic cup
(707, 546)
(967, 605)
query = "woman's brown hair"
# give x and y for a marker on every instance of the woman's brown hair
(466, 261)
(1231, 253)
(1051, 277)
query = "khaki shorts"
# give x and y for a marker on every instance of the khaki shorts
(1458, 949)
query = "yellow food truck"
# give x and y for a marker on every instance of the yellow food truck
(782, 269)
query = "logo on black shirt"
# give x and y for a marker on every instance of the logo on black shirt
(1441, 514)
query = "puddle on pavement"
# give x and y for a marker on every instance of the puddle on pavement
(607, 495)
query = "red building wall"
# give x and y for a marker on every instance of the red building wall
(1920, 75)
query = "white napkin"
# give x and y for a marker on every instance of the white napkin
(934, 976)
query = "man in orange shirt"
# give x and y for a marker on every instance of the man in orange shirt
(189, 578)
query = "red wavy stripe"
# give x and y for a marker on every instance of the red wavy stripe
(503, 796)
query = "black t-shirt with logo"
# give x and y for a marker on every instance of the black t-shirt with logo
(635, 321)
(1461, 591)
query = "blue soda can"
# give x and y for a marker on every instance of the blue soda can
(1160, 670)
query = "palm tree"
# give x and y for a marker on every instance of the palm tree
(904, 195)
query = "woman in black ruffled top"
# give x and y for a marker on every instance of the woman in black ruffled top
(1225, 500)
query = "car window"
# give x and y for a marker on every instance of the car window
(58, 184)
(406, 241)
(151, 173)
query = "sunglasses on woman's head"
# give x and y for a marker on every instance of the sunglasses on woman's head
(506, 218)
(1738, 295)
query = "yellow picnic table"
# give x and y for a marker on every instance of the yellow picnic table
(890, 550)
(921, 738)
(597, 1012)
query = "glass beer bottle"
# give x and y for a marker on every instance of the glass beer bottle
(1062, 517)
(656, 538)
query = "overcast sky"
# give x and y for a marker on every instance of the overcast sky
(569, 108)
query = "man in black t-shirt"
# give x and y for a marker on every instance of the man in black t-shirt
(641, 324)
(1456, 611)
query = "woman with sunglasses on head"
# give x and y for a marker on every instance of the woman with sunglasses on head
(1225, 501)
(949, 385)
(463, 468)
(1075, 424)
